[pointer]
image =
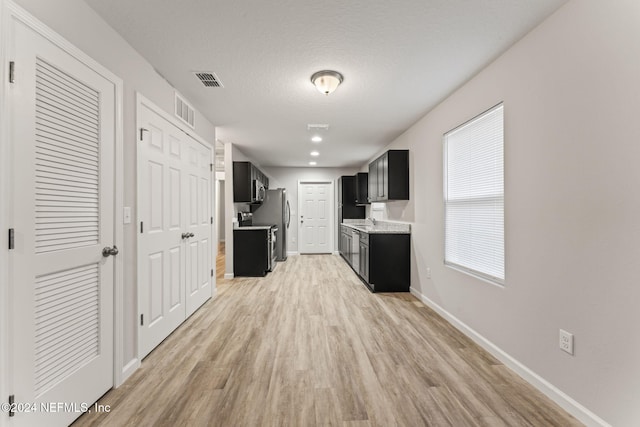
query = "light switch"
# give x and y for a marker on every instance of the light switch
(126, 214)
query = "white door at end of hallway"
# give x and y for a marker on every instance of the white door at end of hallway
(315, 207)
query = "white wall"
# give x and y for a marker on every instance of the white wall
(288, 178)
(571, 92)
(86, 30)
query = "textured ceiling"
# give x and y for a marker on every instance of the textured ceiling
(399, 59)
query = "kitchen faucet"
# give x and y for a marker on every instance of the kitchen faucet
(373, 220)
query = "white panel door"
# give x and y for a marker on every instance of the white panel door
(175, 253)
(199, 256)
(315, 206)
(161, 252)
(63, 188)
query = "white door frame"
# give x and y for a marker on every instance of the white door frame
(9, 11)
(141, 101)
(331, 209)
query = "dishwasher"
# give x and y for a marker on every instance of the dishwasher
(355, 250)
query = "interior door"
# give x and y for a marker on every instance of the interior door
(198, 254)
(175, 248)
(315, 218)
(63, 134)
(161, 251)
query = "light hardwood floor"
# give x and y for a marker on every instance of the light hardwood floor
(310, 345)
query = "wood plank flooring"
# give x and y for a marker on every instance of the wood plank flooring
(309, 345)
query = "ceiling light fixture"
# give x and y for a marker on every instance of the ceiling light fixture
(314, 153)
(312, 163)
(317, 138)
(326, 81)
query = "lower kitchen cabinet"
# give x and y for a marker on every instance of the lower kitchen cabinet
(250, 252)
(383, 259)
(388, 261)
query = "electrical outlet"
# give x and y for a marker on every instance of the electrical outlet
(566, 341)
(428, 273)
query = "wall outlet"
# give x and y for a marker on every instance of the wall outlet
(428, 273)
(566, 342)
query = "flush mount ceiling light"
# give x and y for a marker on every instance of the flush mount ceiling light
(326, 81)
(312, 163)
(314, 153)
(317, 138)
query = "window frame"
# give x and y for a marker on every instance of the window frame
(492, 279)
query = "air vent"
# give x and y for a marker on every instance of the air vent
(208, 78)
(317, 127)
(185, 111)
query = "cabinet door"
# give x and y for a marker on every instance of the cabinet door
(383, 165)
(373, 181)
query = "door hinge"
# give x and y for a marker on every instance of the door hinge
(141, 319)
(211, 166)
(12, 239)
(142, 131)
(12, 72)
(12, 403)
(141, 227)
(212, 272)
(211, 220)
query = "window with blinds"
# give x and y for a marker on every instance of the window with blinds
(474, 196)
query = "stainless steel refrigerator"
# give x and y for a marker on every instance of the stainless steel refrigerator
(274, 210)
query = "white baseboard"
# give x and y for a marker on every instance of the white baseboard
(292, 253)
(558, 396)
(228, 275)
(128, 370)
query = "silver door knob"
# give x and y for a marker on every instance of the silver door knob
(110, 251)
(192, 235)
(185, 235)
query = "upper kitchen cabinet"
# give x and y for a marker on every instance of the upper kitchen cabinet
(347, 208)
(389, 177)
(248, 181)
(362, 188)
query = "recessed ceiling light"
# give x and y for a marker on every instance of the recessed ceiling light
(314, 153)
(312, 163)
(317, 138)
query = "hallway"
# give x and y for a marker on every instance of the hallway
(310, 345)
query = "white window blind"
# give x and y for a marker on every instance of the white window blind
(474, 196)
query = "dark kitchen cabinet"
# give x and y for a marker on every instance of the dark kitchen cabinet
(250, 252)
(385, 266)
(362, 189)
(347, 208)
(244, 176)
(389, 177)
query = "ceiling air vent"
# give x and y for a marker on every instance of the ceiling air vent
(208, 78)
(184, 111)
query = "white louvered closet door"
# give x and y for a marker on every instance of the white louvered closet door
(62, 286)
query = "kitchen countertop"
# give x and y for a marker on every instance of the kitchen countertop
(381, 227)
(253, 227)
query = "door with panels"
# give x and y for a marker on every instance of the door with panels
(63, 142)
(174, 248)
(199, 220)
(315, 206)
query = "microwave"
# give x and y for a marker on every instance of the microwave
(258, 192)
